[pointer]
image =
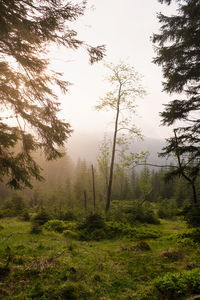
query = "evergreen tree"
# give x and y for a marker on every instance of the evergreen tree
(26, 30)
(178, 52)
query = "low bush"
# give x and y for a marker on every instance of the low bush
(7, 212)
(191, 215)
(92, 222)
(25, 216)
(173, 286)
(41, 217)
(193, 234)
(68, 216)
(36, 228)
(142, 213)
(113, 229)
(167, 209)
(70, 234)
(94, 235)
(55, 225)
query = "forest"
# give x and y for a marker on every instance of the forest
(119, 226)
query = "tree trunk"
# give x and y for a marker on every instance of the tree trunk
(182, 171)
(113, 156)
(93, 187)
(85, 200)
(194, 194)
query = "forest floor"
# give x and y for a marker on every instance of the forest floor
(49, 265)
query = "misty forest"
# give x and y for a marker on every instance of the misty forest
(124, 221)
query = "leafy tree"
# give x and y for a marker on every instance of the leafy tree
(178, 52)
(103, 160)
(145, 183)
(125, 83)
(26, 30)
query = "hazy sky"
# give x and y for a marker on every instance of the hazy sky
(125, 27)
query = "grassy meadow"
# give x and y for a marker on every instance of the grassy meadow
(59, 265)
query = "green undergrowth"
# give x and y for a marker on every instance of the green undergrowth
(137, 262)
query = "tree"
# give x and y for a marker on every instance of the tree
(125, 83)
(27, 27)
(145, 183)
(178, 52)
(103, 160)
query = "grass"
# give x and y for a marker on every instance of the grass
(50, 266)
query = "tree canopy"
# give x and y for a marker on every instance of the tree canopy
(27, 27)
(178, 52)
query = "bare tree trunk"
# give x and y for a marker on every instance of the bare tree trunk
(93, 187)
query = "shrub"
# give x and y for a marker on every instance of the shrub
(36, 228)
(71, 225)
(94, 235)
(93, 222)
(55, 225)
(68, 216)
(172, 286)
(143, 213)
(70, 234)
(167, 209)
(41, 217)
(191, 215)
(25, 216)
(193, 234)
(7, 212)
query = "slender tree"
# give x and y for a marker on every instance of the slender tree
(145, 184)
(26, 30)
(125, 83)
(103, 160)
(178, 52)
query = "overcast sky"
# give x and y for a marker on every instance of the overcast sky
(125, 27)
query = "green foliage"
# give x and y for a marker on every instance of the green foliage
(25, 216)
(93, 228)
(167, 208)
(143, 213)
(117, 229)
(177, 47)
(55, 266)
(173, 286)
(13, 206)
(70, 234)
(145, 183)
(191, 215)
(94, 235)
(55, 225)
(36, 228)
(93, 222)
(41, 217)
(193, 234)
(68, 216)
(38, 220)
(27, 30)
(133, 212)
